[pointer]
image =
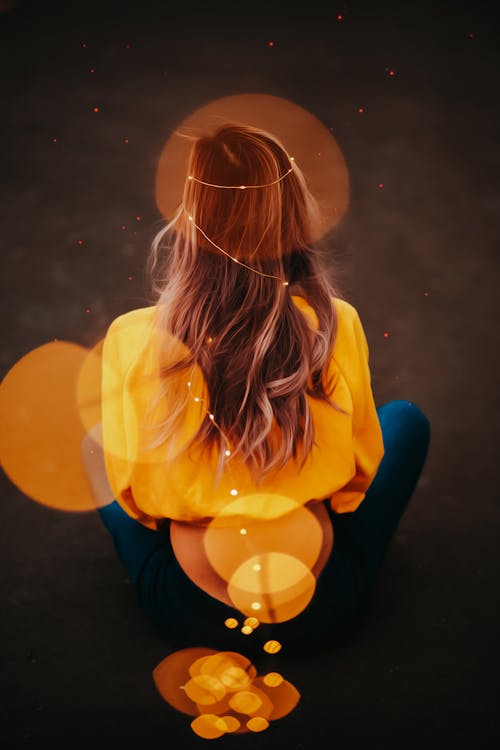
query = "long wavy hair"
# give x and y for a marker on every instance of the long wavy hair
(257, 351)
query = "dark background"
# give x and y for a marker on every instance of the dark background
(418, 259)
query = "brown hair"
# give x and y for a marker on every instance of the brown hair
(264, 356)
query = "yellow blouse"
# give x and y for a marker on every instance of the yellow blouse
(151, 485)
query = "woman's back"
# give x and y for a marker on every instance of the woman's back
(150, 485)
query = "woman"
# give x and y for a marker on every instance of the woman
(240, 402)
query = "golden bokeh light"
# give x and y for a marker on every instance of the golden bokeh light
(224, 663)
(277, 524)
(142, 338)
(251, 622)
(251, 702)
(308, 140)
(257, 724)
(235, 678)
(42, 430)
(272, 647)
(228, 723)
(195, 667)
(88, 387)
(205, 689)
(173, 672)
(284, 696)
(245, 702)
(283, 587)
(207, 726)
(222, 690)
(219, 708)
(272, 679)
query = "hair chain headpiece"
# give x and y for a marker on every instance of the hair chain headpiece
(236, 260)
(240, 187)
(243, 187)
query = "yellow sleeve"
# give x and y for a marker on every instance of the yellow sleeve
(117, 436)
(368, 442)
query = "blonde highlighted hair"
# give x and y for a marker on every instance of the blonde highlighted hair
(263, 356)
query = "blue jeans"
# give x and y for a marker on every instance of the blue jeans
(186, 616)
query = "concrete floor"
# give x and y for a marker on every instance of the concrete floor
(418, 259)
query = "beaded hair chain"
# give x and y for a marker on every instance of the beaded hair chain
(197, 399)
(240, 187)
(243, 187)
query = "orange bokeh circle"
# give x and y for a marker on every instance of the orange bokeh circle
(280, 590)
(42, 429)
(277, 524)
(305, 137)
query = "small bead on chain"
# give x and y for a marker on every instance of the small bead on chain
(211, 416)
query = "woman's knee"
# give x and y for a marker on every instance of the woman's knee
(407, 416)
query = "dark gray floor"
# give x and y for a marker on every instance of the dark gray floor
(418, 259)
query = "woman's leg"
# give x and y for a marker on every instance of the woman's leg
(182, 612)
(146, 555)
(406, 435)
(134, 543)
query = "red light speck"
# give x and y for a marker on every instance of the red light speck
(138, 218)
(87, 310)
(392, 73)
(92, 70)
(84, 45)
(130, 278)
(270, 44)
(125, 140)
(123, 227)
(471, 35)
(340, 17)
(426, 294)
(386, 335)
(96, 109)
(361, 110)
(54, 139)
(79, 242)
(380, 185)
